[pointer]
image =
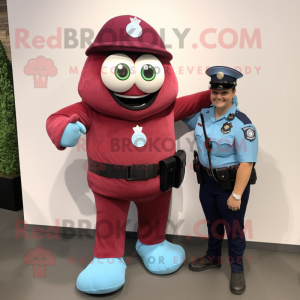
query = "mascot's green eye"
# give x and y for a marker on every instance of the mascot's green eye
(148, 72)
(122, 71)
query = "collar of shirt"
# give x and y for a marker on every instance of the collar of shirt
(232, 110)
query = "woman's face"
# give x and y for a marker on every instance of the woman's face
(222, 98)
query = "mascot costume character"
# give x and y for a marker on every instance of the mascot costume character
(128, 109)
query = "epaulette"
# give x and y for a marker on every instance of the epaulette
(242, 117)
(207, 107)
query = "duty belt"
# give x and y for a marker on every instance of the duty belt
(128, 172)
(209, 171)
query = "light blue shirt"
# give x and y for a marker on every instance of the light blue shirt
(236, 145)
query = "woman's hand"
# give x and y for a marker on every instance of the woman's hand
(242, 178)
(233, 204)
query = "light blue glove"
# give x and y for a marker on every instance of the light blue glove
(71, 134)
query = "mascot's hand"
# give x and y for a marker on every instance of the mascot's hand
(71, 134)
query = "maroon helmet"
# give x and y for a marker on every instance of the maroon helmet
(128, 33)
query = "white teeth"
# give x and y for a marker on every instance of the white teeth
(132, 97)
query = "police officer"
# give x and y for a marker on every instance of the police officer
(227, 145)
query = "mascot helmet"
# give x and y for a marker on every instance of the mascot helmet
(128, 33)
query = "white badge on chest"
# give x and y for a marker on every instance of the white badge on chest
(138, 139)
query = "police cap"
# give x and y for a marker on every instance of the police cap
(223, 77)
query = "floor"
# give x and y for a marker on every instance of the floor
(269, 275)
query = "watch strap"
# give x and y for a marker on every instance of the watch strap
(236, 197)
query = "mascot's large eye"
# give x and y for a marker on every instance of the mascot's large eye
(122, 71)
(117, 73)
(150, 74)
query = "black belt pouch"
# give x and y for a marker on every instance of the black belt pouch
(180, 158)
(167, 173)
(198, 170)
(223, 177)
(197, 167)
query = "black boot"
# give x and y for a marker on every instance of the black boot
(237, 283)
(202, 264)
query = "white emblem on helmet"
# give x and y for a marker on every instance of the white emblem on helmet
(133, 28)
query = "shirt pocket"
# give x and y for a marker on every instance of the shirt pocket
(199, 138)
(223, 146)
(198, 131)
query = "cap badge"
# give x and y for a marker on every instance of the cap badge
(220, 75)
(133, 29)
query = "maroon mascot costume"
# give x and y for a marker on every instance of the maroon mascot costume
(128, 109)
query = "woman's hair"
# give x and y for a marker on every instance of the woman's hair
(235, 99)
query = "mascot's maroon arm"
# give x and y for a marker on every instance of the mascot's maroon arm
(108, 139)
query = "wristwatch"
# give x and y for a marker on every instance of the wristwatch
(236, 197)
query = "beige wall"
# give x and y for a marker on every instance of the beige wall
(54, 182)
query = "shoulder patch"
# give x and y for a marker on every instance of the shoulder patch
(243, 117)
(249, 133)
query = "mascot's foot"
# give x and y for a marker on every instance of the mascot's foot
(102, 276)
(162, 258)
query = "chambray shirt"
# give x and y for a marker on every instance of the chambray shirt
(237, 141)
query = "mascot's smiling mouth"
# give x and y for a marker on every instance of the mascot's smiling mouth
(134, 102)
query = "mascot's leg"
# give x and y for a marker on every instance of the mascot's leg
(159, 255)
(106, 272)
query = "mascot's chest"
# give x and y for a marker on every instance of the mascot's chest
(152, 134)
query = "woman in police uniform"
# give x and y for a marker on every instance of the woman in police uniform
(227, 148)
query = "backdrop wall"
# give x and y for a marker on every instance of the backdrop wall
(259, 40)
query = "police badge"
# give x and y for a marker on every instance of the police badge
(249, 133)
(138, 139)
(226, 127)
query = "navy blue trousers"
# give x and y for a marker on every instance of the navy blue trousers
(214, 203)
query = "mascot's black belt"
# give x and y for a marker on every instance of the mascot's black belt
(128, 172)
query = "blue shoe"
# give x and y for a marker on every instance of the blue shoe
(162, 258)
(102, 276)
